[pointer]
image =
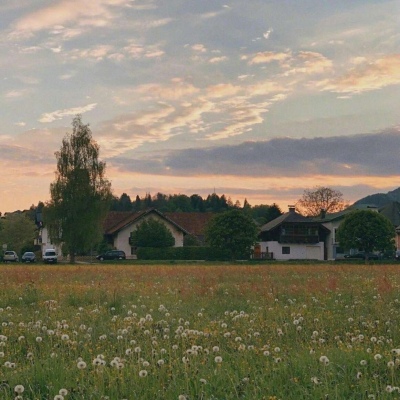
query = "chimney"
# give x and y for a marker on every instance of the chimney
(323, 213)
(292, 209)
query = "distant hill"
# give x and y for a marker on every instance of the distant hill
(381, 199)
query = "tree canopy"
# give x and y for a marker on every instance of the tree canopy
(234, 231)
(321, 198)
(152, 233)
(366, 230)
(80, 194)
(17, 231)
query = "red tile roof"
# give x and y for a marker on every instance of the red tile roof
(193, 223)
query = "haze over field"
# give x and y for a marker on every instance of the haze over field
(257, 99)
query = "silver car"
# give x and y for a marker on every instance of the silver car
(10, 256)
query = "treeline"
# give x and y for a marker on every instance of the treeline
(194, 203)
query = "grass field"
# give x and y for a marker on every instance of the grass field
(199, 332)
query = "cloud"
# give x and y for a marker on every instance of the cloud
(200, 48)
(366, 76)
(59, 114)
(216, 60)
(269, 56)
(16, 94)
(267, 34)
(93, 13)
(370, 155)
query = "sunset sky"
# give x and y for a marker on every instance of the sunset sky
(256, 99)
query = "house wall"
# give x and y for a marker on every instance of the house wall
(121, 241)
(332, 244)
(297, 251)
(45, 242)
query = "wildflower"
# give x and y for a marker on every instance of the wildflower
(143, 373)
(19, 389)
(390, 364)
(389, 388)
(315, 380)
(215, 349)
(58, 397)
(63, 392)
(182, 397)
(277, 349)
(359, 375)
(218, 359)
(39, 339)
(160, 362)
(65, 337)
(324, 360)
(363, 362)
(203, 381)
(81, 365)
(377, 357)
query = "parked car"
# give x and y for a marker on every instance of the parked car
(50, 256)
(112, 255)
(361, 256)
(10, 256)
(397, 255)
(28, 256)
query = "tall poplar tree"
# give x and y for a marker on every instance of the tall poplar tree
(80, 194)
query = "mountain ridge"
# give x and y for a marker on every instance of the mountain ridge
(381, 199)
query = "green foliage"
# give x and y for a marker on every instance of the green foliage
(234, 231)
(191, 240)
(18, 232)
(80, 195)
(152, 233)
(183, 253)
(264, 213)
(366, 230)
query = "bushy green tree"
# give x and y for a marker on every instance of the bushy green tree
(366, 230)
(152, 233)
(234, 231)
(80, 194)
(18, 231)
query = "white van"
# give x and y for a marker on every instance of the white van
(50, 256)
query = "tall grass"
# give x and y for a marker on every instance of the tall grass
(199, 332)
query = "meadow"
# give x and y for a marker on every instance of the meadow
(198, 331)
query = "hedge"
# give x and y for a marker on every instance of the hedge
(183, 253)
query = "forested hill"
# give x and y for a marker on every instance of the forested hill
(381, 199)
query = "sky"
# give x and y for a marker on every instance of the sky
(256, 99)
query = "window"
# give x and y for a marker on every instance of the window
(285, 249)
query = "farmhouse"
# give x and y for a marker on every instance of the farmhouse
(119, 225)
(293, 236)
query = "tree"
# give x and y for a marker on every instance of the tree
(366, 230)
(80, 194)
(152, 233)
(232, 230)
(17, 231)
(264, 213)
(321, 198)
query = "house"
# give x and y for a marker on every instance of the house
(392, 212)
(119, 225)
(294, 236)
(118, 229)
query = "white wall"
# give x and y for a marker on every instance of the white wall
(46, 242)
(121, 241)
(297, 251)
